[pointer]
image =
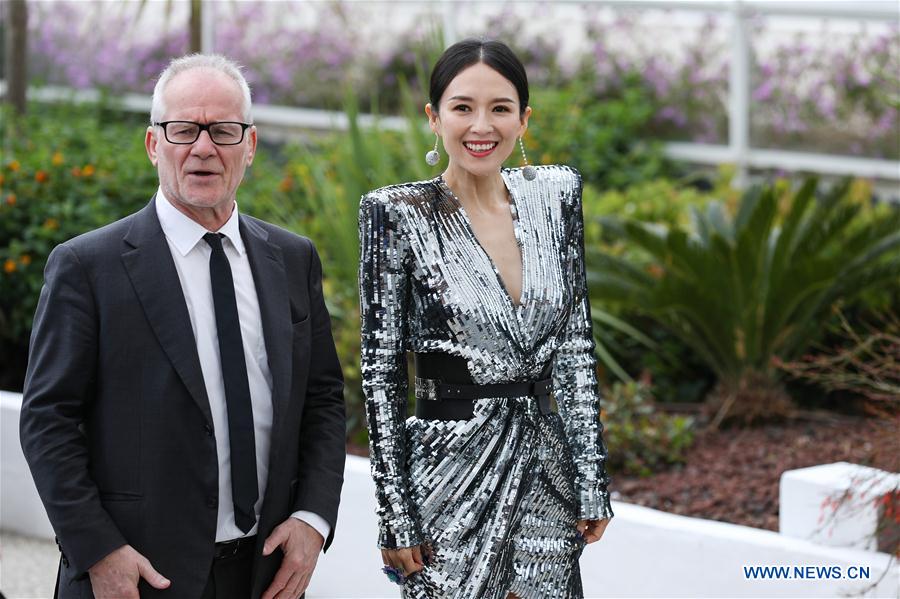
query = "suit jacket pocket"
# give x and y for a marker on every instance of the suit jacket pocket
(127, 511)
(301, 328)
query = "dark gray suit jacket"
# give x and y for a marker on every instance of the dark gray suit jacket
(116, 424)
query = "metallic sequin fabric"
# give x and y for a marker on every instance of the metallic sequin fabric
(497, 496)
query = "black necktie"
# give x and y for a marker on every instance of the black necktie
(244, 487)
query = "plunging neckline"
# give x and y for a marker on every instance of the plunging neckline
(514, 211)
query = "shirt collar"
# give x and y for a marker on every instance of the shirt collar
(185, 232)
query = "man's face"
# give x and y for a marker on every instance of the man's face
(202, 175)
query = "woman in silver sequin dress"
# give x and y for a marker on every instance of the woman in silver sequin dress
(485, 268)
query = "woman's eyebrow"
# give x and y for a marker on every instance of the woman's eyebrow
(494, 101)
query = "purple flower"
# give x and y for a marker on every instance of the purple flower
(825, 105)
(657, 79)
(861, 76)
(696, 77)
(886, 122)
(764, 91)
(672, 114)
(881, 45)
(794, 124)
(600, 54)
(778, 123)
(800, 49)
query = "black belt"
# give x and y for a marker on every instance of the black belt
(231, 548)
(455, 392)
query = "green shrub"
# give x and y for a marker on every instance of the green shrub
(642, 439)
(741, 290)
(603, 138)
(666, 363)
(66, 170)
(630, 346)
(676, 372)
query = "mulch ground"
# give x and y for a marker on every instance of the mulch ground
(733, 475)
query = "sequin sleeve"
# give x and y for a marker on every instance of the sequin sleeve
(575, 376)
(384, 301)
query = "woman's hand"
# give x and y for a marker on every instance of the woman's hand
(408, 560)
(592, 530)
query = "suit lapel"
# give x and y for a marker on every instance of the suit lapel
(151, 268)
(267, 265)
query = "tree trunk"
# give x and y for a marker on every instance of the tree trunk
(754, 398)
(16, 53)
(196, 26)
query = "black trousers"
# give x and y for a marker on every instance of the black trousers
(229, 576)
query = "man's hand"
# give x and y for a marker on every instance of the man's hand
(592, 530)
(116, 576)
(301, 544)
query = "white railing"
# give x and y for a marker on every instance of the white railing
(739, 151)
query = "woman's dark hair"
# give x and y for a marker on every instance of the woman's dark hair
(464, 54)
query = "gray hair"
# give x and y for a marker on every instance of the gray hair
(215, 62)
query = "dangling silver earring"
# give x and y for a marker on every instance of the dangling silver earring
(528, 171)
(433, 156)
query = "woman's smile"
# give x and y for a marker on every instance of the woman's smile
(480, 149)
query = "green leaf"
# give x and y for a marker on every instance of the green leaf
(602, 317)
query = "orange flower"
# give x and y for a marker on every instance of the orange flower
(9, 266)
(2, 178)
(656, 271)
(14, 165)
(286, 184)
(51, 223)
(41, 176)
(57, 159)
(76, 171)
(88, 170)
(11, 199)
(25, 259)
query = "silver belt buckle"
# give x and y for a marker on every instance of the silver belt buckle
(426, 389)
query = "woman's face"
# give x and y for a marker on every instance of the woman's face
(478, 119)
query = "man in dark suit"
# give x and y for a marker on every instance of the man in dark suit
(183, 415)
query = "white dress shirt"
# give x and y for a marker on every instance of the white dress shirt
(191, 255)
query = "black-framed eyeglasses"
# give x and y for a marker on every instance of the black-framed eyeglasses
(223, 133)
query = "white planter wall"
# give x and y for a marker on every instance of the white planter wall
(834, 504)
(21, 509)
(644, 553)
